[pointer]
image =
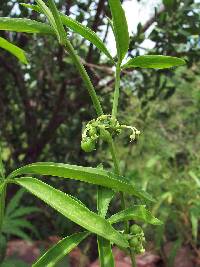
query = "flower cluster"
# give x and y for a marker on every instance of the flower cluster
(137, 239)
(103, 128)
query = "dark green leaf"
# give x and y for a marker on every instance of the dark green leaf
(22, 211)
(13, 49)
(72, 209)
(17, 223)
(154, 62)
(14, 202)
(86, 174)
(137, 212)
(120, 28)
(16, 232)
(58, 251)
(25, 25)
(3, 247)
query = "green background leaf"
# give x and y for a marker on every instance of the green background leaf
(13, 49)
(154, 62)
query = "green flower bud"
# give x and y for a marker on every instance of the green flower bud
(88, 145)
(136, 229)
(104, 135)
(134, 242)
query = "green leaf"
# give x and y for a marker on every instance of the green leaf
(16, 232)
(86, 33)
(120, 28)
(173, 252)
(60, 28)
(22, 211)
(85, 174)
(58, 251)
(72, 209)
(168, 3)
(18, 223)
(79, 28)
(2, 185)
(104, 197)
(47, 12)
(14, 202)
(13, 49)
(105, 252)
(25, 25)
(104, 247)
(137, 212)
(33, 7)
(194, 218)
(154, 62)
(3, 247)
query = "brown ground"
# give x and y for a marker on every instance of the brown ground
(29, 252)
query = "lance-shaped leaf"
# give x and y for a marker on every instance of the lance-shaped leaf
(105, 252)
(120, 28)
(32, 7)
(137, 212)
(14, 50)
(47, 12)
(73, 210)
(60, 28)
(85, 174)
(154, 62)
(86, 33)
(79, 28)
(104, 197)
(25, 25)
(59, 250)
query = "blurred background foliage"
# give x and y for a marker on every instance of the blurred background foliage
(43, 107)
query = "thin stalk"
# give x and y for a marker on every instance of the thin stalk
(117, 171)
(122, 196)
(116, 93)
(69, 48)
(2, 207)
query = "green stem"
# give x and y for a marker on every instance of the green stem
(69, 48)
(117, 171)
(116, 93)
(122, 196)
(2, 206)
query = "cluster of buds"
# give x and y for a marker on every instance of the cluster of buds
(102, 128)
(137, 239)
